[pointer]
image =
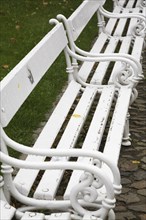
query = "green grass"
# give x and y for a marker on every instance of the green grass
(23, 24)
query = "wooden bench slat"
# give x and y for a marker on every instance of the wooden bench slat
(7, 211)
(112, 21)
(114, 139)
(130, 4)
(60, 216)
(126, 42)
(93, 139)
(103, 66)
(67, 141)
(121, 24)
(133, 21)
(115, 134)
(87, 66)
(33, 216)
(139, 43)
(124, 49)
(47, 136)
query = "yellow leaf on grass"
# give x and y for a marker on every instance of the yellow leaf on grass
(5, 66)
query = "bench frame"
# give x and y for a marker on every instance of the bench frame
(104, 206)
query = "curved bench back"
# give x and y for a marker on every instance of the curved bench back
(20, 82)
(82, 15)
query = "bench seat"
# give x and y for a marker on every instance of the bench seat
(48, 188)
(7, 211)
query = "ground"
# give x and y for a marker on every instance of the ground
(131, 204)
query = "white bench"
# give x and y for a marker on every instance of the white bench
(84, 116)
(112, 38)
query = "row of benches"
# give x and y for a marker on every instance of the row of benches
(84, 134)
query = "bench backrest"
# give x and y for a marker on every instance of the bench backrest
(82, 15)
(20, 82)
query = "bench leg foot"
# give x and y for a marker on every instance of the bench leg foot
(126, 136)
(111, 215)
(126, 143)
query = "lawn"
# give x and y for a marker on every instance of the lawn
(23, 24)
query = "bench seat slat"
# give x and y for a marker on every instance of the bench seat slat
(133, 21)
(103, 66)
(121, 24)
(47, 136)
(126, 42)
(139, 41)
(93, 139)
(67, 141)
(7, 211)
(115, 134)
(60, 216)
(97, 47)
(112, 21)
(33, 216)
(130, 4)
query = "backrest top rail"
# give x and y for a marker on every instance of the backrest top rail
(20, 82)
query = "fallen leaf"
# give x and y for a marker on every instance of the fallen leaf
(76, 116)
(17, 27)
(13, 40)
(33, 13)
(5, 66)
(135, 161)
(45, 3)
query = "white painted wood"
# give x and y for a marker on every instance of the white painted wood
(94, 134)
(125, 45)
(116, 129)
(124, 49)
(82, 16)
(138, 43)
(97, 47)
(25, 76)
(103, 66)
(16, 86)
(121, 24)
(126, 4)
(33, 216)
(112, 21)
(60, 216)
(48, 186)
(130, 4)
(133, 22)
(7, 211)
(114, 139)
(23, 181)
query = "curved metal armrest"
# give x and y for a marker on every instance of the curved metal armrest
(93, 57)
(50, 153)
(127, 56)
(128, 59)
